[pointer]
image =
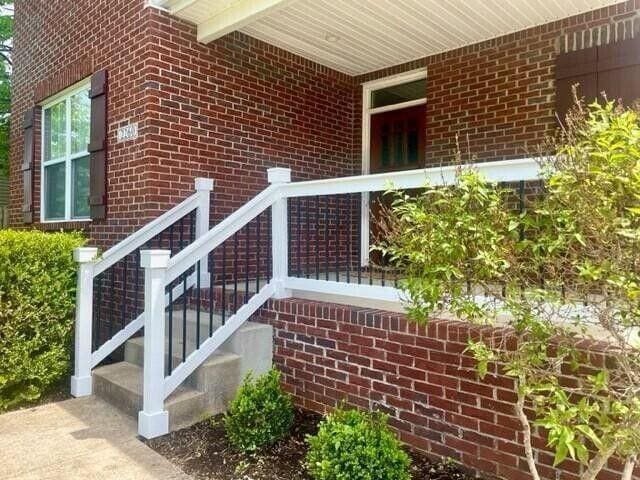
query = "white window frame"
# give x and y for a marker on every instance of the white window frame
(64, 95)
(367, 111)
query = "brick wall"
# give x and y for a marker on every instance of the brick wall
(418, 375)
(237, 106)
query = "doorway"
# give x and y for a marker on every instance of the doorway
(393, 136)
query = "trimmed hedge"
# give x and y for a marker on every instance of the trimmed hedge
(261, 414)
(37, 298)
(354, 445)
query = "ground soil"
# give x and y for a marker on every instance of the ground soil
(204, 452)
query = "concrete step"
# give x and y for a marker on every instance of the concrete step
(120, 384)
(218, 377)
(253, 342)
(209, 389)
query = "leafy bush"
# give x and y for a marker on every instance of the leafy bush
(37, 297)
(261, 413)
(565, 270)
(352, 445)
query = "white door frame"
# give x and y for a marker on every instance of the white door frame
(367, 111)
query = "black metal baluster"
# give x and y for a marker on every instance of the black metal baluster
(224, 281)
(317, 222)
(184, 296)
(113, 300)
(171, 239)
(160, 240)
(359, 238)
(170, 346)
(347, 217)
(337, 217)
(308, 214)
(258, 251)
(298, 248)
(246, 262)
(198, 305)
(192, 222)
(269, 246)
(326, 237)
(123, 306)
(137, 285)
(96, 335)
(235, 272)
(211, 285)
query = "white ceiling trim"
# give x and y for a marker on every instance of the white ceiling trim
(360, 36)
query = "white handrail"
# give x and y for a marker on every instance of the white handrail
(199, 249)
(146, 233)
(499, 171)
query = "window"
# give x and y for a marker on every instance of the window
(401, 93)
(65, 159)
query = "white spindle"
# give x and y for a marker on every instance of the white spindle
(279, 233)
(81, 379)
(153, 420)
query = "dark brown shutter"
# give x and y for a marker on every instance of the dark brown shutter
(619, 70)
(579, 67)
(28, 159)
(98, 146)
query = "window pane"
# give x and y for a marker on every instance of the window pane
(80, 108)
(80, 185)
(55, 127)
(54, 191)
(399, 93)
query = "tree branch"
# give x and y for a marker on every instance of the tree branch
(528, 449)
(598, 462)
(629, 465)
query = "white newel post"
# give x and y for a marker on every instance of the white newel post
(153, 420)
(279, 233)
(81, 379)
(204, 187)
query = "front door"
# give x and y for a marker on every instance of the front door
(398, 140)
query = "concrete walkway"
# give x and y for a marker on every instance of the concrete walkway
(82, 438)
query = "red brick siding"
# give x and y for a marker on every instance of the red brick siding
(497, 96)
(419, 375)
(235, 107)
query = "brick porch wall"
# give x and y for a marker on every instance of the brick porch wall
(418, 375)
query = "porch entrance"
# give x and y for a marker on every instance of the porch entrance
(393, 139)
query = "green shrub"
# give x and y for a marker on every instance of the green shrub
(37, 297)
(351, 445)
(261, 413)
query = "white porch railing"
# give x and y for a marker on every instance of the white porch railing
(91, 304)
(315, 244)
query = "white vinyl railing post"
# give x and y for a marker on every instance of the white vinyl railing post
(81, 379)
(204, 187)
(153, 419)
(279, 233)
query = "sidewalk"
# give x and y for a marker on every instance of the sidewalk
(82, 438)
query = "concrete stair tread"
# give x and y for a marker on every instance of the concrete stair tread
(129, 377)
(217, 357)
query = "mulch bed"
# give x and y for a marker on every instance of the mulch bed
(204, 452)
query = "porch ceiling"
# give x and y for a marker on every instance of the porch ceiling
(360, 36)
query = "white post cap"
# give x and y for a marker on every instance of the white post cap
(204, 183)
(154, 258)
(279, 175)
(85, 254)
